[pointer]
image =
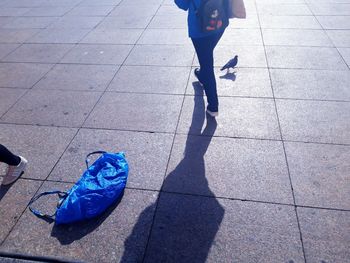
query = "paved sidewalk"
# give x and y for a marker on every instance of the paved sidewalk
(269, 181)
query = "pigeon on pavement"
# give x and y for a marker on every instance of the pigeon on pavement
(231, 64)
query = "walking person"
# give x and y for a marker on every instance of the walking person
(16, 165)
(204, 41)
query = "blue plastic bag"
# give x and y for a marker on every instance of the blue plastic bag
(98, 188)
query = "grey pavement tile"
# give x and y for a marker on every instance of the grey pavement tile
(340, 38)
(90, 11)
(6, 49)
(58, 3)
(161, 55)
(149, 79)
(146, 153)
(169, 21)
(8, 97)
(334, 22)
(171, 9)
(52, 107)
(16, 35)
(326, 235)
(116, 234)
(252, 21)
(30, 22)
(315, 121)
(284, 9)
(140, 22)
(240, 37)
(4, 20)
(198, 229)
(86, 22)
(329, 8)
(296, 37)
(297, 22)
(320, 174)
(22, 3)
(59, 36)
(226, 167)
(249, 56)
(13, 11)
(305, 58)
(142, 2)
(41, 53)
(78, 77)
(112, 36)
(345, 53)
(14, 200)
(97, 54)
(164, 37)
(99, 3)
(239, 117)
(311, 84)
(41, 146)
(21, 75)
(137, 9)
(140, 112)
(251, 82)
(48, 11)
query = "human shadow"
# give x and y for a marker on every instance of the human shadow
(4, 189)
(187, 216)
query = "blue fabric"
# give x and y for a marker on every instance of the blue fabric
(194, 29)
(98, 188)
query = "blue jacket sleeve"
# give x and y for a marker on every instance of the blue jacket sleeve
(183, 4)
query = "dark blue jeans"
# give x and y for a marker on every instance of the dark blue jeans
(204, 47)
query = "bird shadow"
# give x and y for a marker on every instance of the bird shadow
(229, 76)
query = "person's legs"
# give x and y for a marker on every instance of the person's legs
(205, 48)
(8, 157)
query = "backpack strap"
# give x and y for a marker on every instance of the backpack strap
(60, 194)
(87, 160)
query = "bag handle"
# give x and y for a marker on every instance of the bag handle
(92, 153)
(60, 194)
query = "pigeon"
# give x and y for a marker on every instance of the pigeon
(231, 64)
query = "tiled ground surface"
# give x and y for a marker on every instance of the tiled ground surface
(269, 181)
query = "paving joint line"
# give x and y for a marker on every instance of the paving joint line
(281, 135)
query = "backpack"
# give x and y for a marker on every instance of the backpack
(212, 15)
(101, 185)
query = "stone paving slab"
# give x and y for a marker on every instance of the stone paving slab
(319, 174)
(345, 52)
(237, 163)
(8, 98)
(137, 112)
(326, 235)
(41, 146)
(40, 53)
(315, 121)
(222, 231)
(161, 55)
(140, 79)
(147, 155)
(250, 82)
(311, 84)
(30, 22)
(305, 58)
(239, 117)
(78, 77)
(59, 36)
(97, 54)
(22, 75)
(113, 36)
(15, 35)
(334, 22)
(52, 108)
(14, 200)
(121, 232)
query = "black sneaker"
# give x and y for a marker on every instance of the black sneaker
(196, 73)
